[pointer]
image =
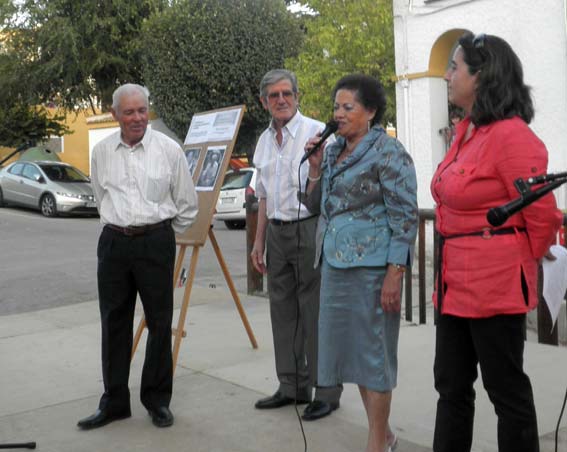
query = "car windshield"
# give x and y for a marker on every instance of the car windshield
(61, 173)
(236, 180)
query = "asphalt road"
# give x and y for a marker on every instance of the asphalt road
(48, 262)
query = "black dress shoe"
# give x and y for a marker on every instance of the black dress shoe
(100, 418)
(318, 409)
(277, 400)
(161, 417)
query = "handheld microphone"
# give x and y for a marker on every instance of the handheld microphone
(330, 128)
(498, 215)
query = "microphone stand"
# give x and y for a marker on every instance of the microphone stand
(553, 181)
(528, 196)
(18, 446)
(523, 186)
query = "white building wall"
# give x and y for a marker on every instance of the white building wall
(536, 30)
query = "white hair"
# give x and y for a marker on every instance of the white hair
(127, 90)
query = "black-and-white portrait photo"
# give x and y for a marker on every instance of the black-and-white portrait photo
(211, 167)
(192, 156)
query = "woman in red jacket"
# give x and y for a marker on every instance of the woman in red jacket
(488, 276)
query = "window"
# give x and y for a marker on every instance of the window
(16, 169)
(54, 144)
(236, 180)
(63, 173)
(31, 172)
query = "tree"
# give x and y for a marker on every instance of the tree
(20, 124)
(68, 53)
(77, 52)
(201, 55)
(343, 37)
(20, 121)
(7, 10)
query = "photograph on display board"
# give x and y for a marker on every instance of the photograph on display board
(192, 156)
(211, 166)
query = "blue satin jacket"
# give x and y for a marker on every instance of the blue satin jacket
(367, 204)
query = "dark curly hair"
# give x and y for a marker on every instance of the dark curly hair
(500, 91)
(368, 91)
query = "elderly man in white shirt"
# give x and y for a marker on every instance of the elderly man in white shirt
(293, 282)
(145, 194)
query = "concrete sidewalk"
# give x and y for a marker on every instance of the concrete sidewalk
(50, 378)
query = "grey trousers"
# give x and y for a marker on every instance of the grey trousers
(293, 283)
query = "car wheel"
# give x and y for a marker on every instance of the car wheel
(235, 224)
(48, 205)
(1, 199)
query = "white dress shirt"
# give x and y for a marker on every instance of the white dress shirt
(144, 184)
(277, 166)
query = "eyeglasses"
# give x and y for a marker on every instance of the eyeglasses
(478, 43)
(276, 95)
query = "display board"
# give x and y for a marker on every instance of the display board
(208, 147)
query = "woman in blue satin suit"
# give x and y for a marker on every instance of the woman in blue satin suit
(364, 188)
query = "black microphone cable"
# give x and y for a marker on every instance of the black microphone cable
(559, 420)
(298, 307)
(330, 128)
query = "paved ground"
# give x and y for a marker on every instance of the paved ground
(51, 262)
(50, 378)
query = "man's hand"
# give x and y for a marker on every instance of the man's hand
(257, 257)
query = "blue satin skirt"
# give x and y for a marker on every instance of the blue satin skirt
(358, 341)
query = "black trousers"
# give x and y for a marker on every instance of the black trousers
(497, 344)
(128, 265)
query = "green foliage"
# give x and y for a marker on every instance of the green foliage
(7, 10)
(345, 37)
(20, 123)
(20, 119)
(65, 52)
(77, 52)
(201, 55)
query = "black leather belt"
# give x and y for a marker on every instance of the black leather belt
(276, 222)
(138, 230)
(486, 233)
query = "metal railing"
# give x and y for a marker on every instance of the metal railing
(424, 216)
(546, 331)
(425, 275)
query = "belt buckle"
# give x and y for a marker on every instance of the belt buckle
(486, 234)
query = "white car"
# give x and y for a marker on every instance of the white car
(231, 205)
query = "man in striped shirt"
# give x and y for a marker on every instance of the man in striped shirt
(145, 194)
(287, 229)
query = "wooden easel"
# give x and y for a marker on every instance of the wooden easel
(205, 138)
(179, 332)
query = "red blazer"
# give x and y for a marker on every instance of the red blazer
(481, 276)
